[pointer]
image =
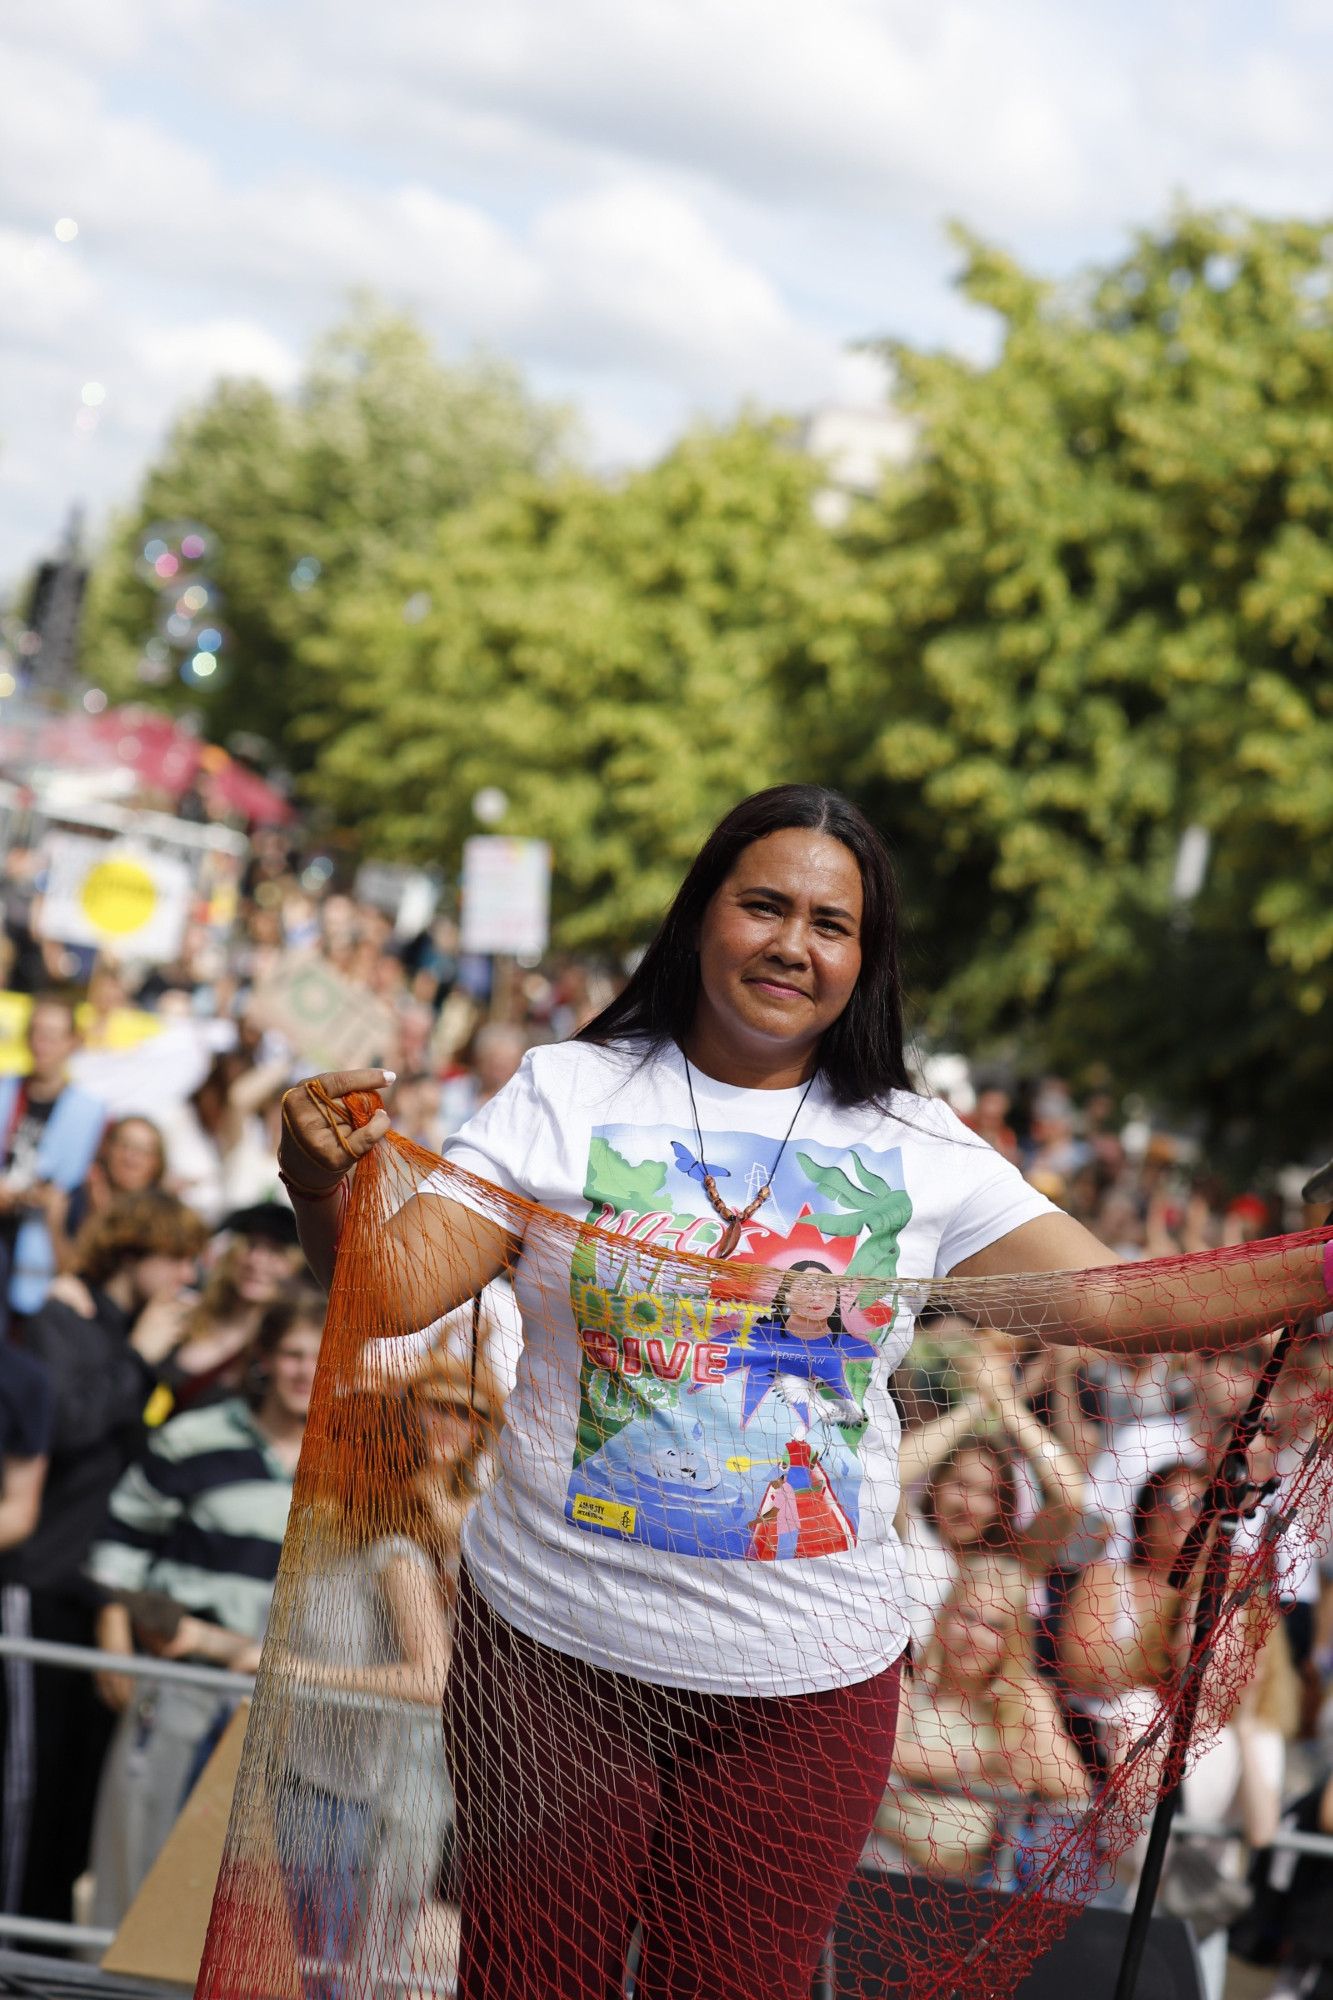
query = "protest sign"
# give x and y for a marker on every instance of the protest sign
(330, 1023)
(506, 896)
(122, 899)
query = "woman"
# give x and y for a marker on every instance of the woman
(131, 1159)
(258, 1268)
(408, 1934)
(707, 1718)
(976, 1716)
(971, 1496)
(186, 1564)
(370, 1620)
(1126, 1632)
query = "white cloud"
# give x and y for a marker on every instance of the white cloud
(658, 206)
(180, 361)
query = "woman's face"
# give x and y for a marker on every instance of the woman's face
(290, 1372)
(263, 1268)
(780, 943)
(812, 1296)
(967, 1499)
(1173, 1515)
(132, 1157)
(162, 1276)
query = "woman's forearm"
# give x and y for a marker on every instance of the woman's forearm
(399, 1680)
(924, 1446)
(318, 1224)
(1213, 1299)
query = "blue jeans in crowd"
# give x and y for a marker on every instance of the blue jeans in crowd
(325, 1848)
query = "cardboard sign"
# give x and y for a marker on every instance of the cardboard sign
(506, 896)
(122, 899)
(161, 1935)
(330, 1023)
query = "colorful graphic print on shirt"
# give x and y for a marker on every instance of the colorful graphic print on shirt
(716, 1425)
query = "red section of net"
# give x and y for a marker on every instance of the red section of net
(666, 1774)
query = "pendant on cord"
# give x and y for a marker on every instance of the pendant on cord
(733, 1218)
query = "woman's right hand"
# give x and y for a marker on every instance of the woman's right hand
(160, 1327)
(320, 1142)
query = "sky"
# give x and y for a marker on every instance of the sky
(660, 209)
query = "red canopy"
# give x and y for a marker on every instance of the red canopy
(162, 753)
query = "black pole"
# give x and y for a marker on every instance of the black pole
(1229, 1494)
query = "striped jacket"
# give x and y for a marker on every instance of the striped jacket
(200, 1517)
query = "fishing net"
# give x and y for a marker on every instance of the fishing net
(669, 1775)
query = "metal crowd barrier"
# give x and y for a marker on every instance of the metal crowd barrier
(141, 1666)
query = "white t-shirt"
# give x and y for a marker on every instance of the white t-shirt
(689, 1492)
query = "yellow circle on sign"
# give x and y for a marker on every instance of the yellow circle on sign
(118, 896)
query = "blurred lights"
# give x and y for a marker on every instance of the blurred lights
(66, 229)
(194, 546)
(417, 607)
(93, 393)
(204, 664)
(305, 573)
(490, 805)
(166, 564)
(94, 701)
(87, 421)
(7, 684)
(210, 639)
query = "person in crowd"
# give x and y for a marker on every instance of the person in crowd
(131, 1159)
(185, 1566)
(989, 1117)
(966, 1485)
(976, 1715)
(406, 1936)
(218, 1146)
(417, 1112)
(136, 1262)
(491, 1060)
(1165, 1410)
(25, 1440)
(1237, 1785)
(370, 1619)
(258, 1266)
(49, 1133)
(1126, 1632)
(461, 1408)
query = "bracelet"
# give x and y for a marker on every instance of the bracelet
(305, 1193)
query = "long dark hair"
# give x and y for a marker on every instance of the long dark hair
(860, 1056)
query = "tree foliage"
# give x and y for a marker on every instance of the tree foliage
(1092, 612)
(607, 655)
(308, 495)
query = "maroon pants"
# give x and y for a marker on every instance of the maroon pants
(728, 1826)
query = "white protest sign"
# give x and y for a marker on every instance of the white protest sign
(506, 896)
(123, 899)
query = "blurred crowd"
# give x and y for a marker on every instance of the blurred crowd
(156, 1378)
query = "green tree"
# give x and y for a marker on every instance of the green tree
(606, 655)
(1092, 612)
(305, 496)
